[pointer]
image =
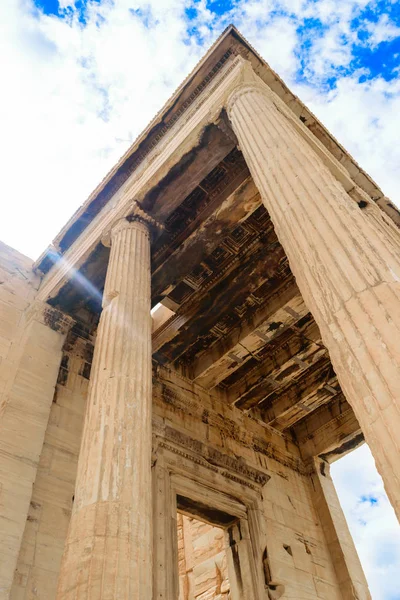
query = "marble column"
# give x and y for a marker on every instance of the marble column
(347, 269)
(349, 572)
(108, 553)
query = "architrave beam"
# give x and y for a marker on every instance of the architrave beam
(296, 355)
(319, 396)
(255, 265)
(331, 429)
(280, 312)
(237, 202)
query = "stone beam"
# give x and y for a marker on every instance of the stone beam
(319, 396)
(297, 388)
(296, 353)
(280, 312)
(228, 209)
(211, 148)
(257, 266)
(331, 429)
(227, 294)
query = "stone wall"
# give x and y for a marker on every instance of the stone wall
(202, 563)
(53, 493)
(300, 559)
(31, 337)
(300, 556)
(18, 287)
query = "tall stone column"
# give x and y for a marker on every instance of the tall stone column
(108, 552)
(347, 270)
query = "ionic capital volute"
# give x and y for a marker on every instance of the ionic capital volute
(135, 217)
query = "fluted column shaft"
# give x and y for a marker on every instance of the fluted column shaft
(108, 553)
(347, 269)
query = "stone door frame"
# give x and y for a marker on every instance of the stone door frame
(177, 473)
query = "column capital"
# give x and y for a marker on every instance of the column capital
(247, 81)
(132, 222)
(136, 217)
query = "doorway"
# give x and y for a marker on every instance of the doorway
(202, 560)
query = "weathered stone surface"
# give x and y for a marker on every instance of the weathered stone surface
(272, 354)
(30, 355)
(347, 269)
(108, 552)
(346, 562)
(51, 503)
(202, 562)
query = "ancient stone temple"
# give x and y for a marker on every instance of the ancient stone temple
(212, 328)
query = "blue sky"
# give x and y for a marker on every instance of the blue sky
(371, 520)
(81, 79)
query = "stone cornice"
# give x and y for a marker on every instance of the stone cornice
(154, 141)
(230, 43)
(196, 451)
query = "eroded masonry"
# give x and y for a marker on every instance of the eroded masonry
(217, 324)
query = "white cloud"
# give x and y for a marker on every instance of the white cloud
(75, 97)
(382, 31)
(365, 118)
(275, 41)
(372, 522)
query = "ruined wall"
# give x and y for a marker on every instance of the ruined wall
(202, 563)
(52, 498)
(18, 286)
(298, 551)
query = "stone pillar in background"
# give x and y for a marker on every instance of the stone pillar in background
(108, 553)
(32, 368)
(347, 270)
(341, 546)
